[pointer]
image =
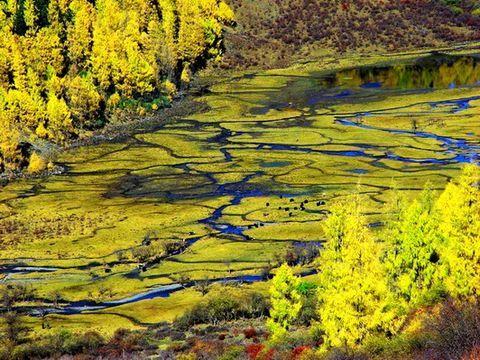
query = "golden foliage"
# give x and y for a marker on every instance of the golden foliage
(286, 303)
(61, 62)
(354, 298)
(432, 250)
(36, 164)
(459, 209)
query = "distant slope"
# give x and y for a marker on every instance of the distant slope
(273, 32)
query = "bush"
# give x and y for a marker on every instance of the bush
(299, 350)
(88, 342)
(398, 347)
(52, 346)
(28, 351)
(124, 342)
(206, 350)
(309, 354)
(250, 333)
(36, 164)
(254, 350)
(187, 356)
(211, 312)
(224, 307)
(305, 337)
(456, 329)
(344, 354)
(474, 354)
(233, 353)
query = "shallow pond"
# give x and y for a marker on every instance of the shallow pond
(242, 181)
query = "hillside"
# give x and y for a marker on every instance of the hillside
(273, 33)
(165, 195)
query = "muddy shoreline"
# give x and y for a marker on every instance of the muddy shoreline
(119, 131)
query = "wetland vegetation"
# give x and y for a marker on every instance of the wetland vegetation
(329, 209)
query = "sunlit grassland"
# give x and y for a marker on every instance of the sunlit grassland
(262, 149)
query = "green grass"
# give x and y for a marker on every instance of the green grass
(163, 182)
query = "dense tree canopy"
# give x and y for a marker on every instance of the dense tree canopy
(429, 250)
(65, 63)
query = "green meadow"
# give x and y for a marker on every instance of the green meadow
(239, 183)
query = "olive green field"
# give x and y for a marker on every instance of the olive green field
(237, 185)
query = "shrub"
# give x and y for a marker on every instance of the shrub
(474, 354)
(255, 305)
(28, 351)
(298, 351)
(344, 354)
(456, 329)
(223, 307)
(13, 329)
(253, 350)
(250, 333)
(88, 342)
(309, 354)
(146, 253)
(124, 342)
(233, 353)
(187, 356)
(36, 164)
(398, 347)
(304, 337)
(12, 293)
(206, 350)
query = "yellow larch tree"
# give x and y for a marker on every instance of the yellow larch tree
(354, 301)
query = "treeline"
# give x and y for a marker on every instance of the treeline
(66, 65)
(370, 283)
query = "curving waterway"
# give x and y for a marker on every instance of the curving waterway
(240, 182)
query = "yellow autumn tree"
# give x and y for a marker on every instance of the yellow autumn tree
(286, 303)
(459, 209)
(80, 33)
(354, 301)
(413, 250)
(117, 59)
(63, 63)
(85, 102)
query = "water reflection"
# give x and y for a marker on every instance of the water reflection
(434, 71)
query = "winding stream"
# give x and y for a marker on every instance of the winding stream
(246, 179)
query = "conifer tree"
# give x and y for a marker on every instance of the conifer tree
(286, 302)
(412, 256)
(79, 34)
(459, 209)
(82, 54)
(354, 300)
